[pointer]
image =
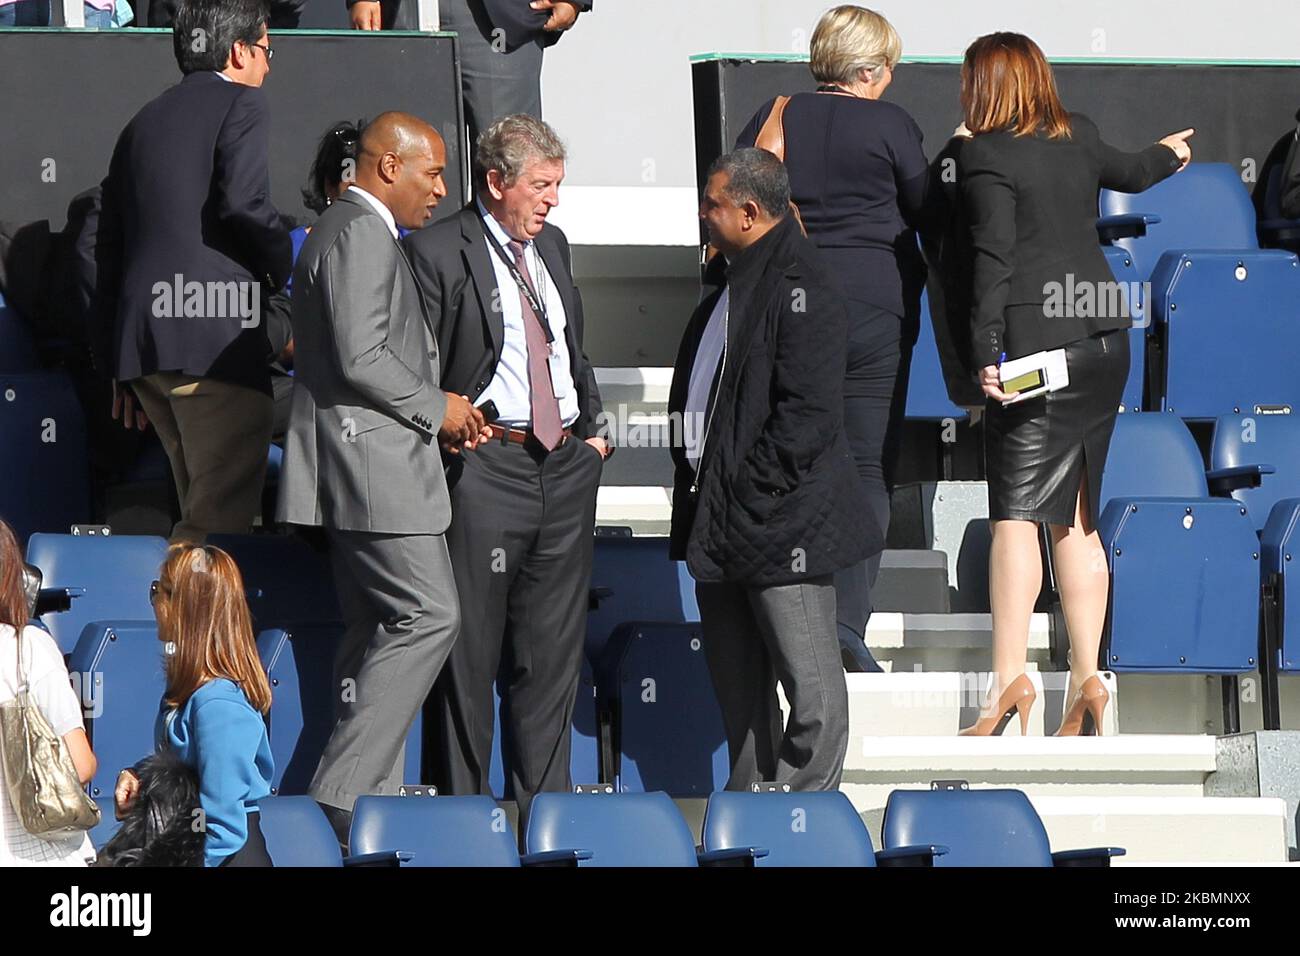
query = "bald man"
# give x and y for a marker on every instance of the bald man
(362, 461)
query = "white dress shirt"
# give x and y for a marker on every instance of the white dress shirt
(379, 207)
(509, 386)
(713, 344)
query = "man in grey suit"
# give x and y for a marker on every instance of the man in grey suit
(361, 458)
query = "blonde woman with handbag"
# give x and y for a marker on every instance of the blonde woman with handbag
(40, 670)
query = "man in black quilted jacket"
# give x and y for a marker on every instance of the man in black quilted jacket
(767, 505)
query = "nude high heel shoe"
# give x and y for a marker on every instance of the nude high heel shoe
(1017, 698)
(1083, 717)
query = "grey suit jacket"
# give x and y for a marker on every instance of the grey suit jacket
(361, 453)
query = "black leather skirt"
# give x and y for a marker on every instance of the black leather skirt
(1036, 451)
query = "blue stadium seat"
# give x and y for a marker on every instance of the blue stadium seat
(297, 833)
(798, 829)
(286, 580)
(1206, 206)
(108, 824)
(1260, 439)
(667, 733)
(435, 831)
(1125, 272)
(620, 829)
(109, 577)
(1280, 643)
(979, 828)
(46, 486)
(299, 662)
(1226, 325)
(927, 393)
(632, 579)
(1184, 566)
(119, 667)
(17, 348)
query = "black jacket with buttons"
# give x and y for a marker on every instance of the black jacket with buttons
(779, 499)
(1031, 203)
(453, 267)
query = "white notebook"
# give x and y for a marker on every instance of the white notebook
(1033, 375)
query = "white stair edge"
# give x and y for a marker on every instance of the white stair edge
(888, 629)
(1045, 755)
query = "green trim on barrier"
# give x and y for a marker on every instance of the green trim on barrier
(956, 60)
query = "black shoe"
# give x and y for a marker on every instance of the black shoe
(341, 822)
(855, 655)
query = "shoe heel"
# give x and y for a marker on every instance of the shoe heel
(1096, 709)
(1024, 706)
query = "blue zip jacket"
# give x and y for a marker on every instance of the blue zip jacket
(223, 738)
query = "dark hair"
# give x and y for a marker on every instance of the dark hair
(758, 176)
(205, 30)
(13, 598)
(340, 143)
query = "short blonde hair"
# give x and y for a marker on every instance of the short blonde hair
(850, 38)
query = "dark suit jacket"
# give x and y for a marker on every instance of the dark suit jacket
(518, 21)
(188, 194)
(451, 263)
(777, 499)
(1032, 207)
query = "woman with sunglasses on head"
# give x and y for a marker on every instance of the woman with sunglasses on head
(1029, 178)
(213, 707)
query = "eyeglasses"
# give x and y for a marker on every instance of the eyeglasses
(265, 49)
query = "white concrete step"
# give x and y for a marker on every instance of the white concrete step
(1137, 765)
(927, 703)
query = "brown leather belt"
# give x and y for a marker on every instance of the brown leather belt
(521, 436)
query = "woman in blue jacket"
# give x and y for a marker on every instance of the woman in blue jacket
(212, 709)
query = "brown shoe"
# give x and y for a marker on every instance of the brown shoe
(1017, 698)
(1083, 716)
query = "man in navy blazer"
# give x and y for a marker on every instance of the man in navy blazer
(189, 246)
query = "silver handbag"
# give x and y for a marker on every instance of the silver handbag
(42, 782)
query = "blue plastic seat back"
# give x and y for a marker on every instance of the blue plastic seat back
(438, 831)
(1260, 440)
(118, 667)
(297, 833)
(668, 731)
(619, 829)
(1152, 454)
(46, 484)
(1230, 323)
(797, 829)
(644, 585)
(1280, 546)
(299, 663)
(1134, 291)
(286, 580)
(17, 348)
(927, 393)
(1184, 585)
(1206, 206)
(114, 572)
(979, 827)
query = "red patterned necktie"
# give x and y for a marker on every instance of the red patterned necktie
(546, 410)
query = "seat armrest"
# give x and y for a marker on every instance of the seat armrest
(920, 855)
(380, 858)
(1224, 481)
(1132, 225)
(742, 856)
(1093, 856)
(555, 857)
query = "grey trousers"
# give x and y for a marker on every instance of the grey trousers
(755, 637)
(493, 83)
(399, 604)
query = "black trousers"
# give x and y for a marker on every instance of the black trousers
(253, 852)
(875, 397)
(521, 550)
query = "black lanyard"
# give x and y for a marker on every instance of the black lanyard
(524, 288)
